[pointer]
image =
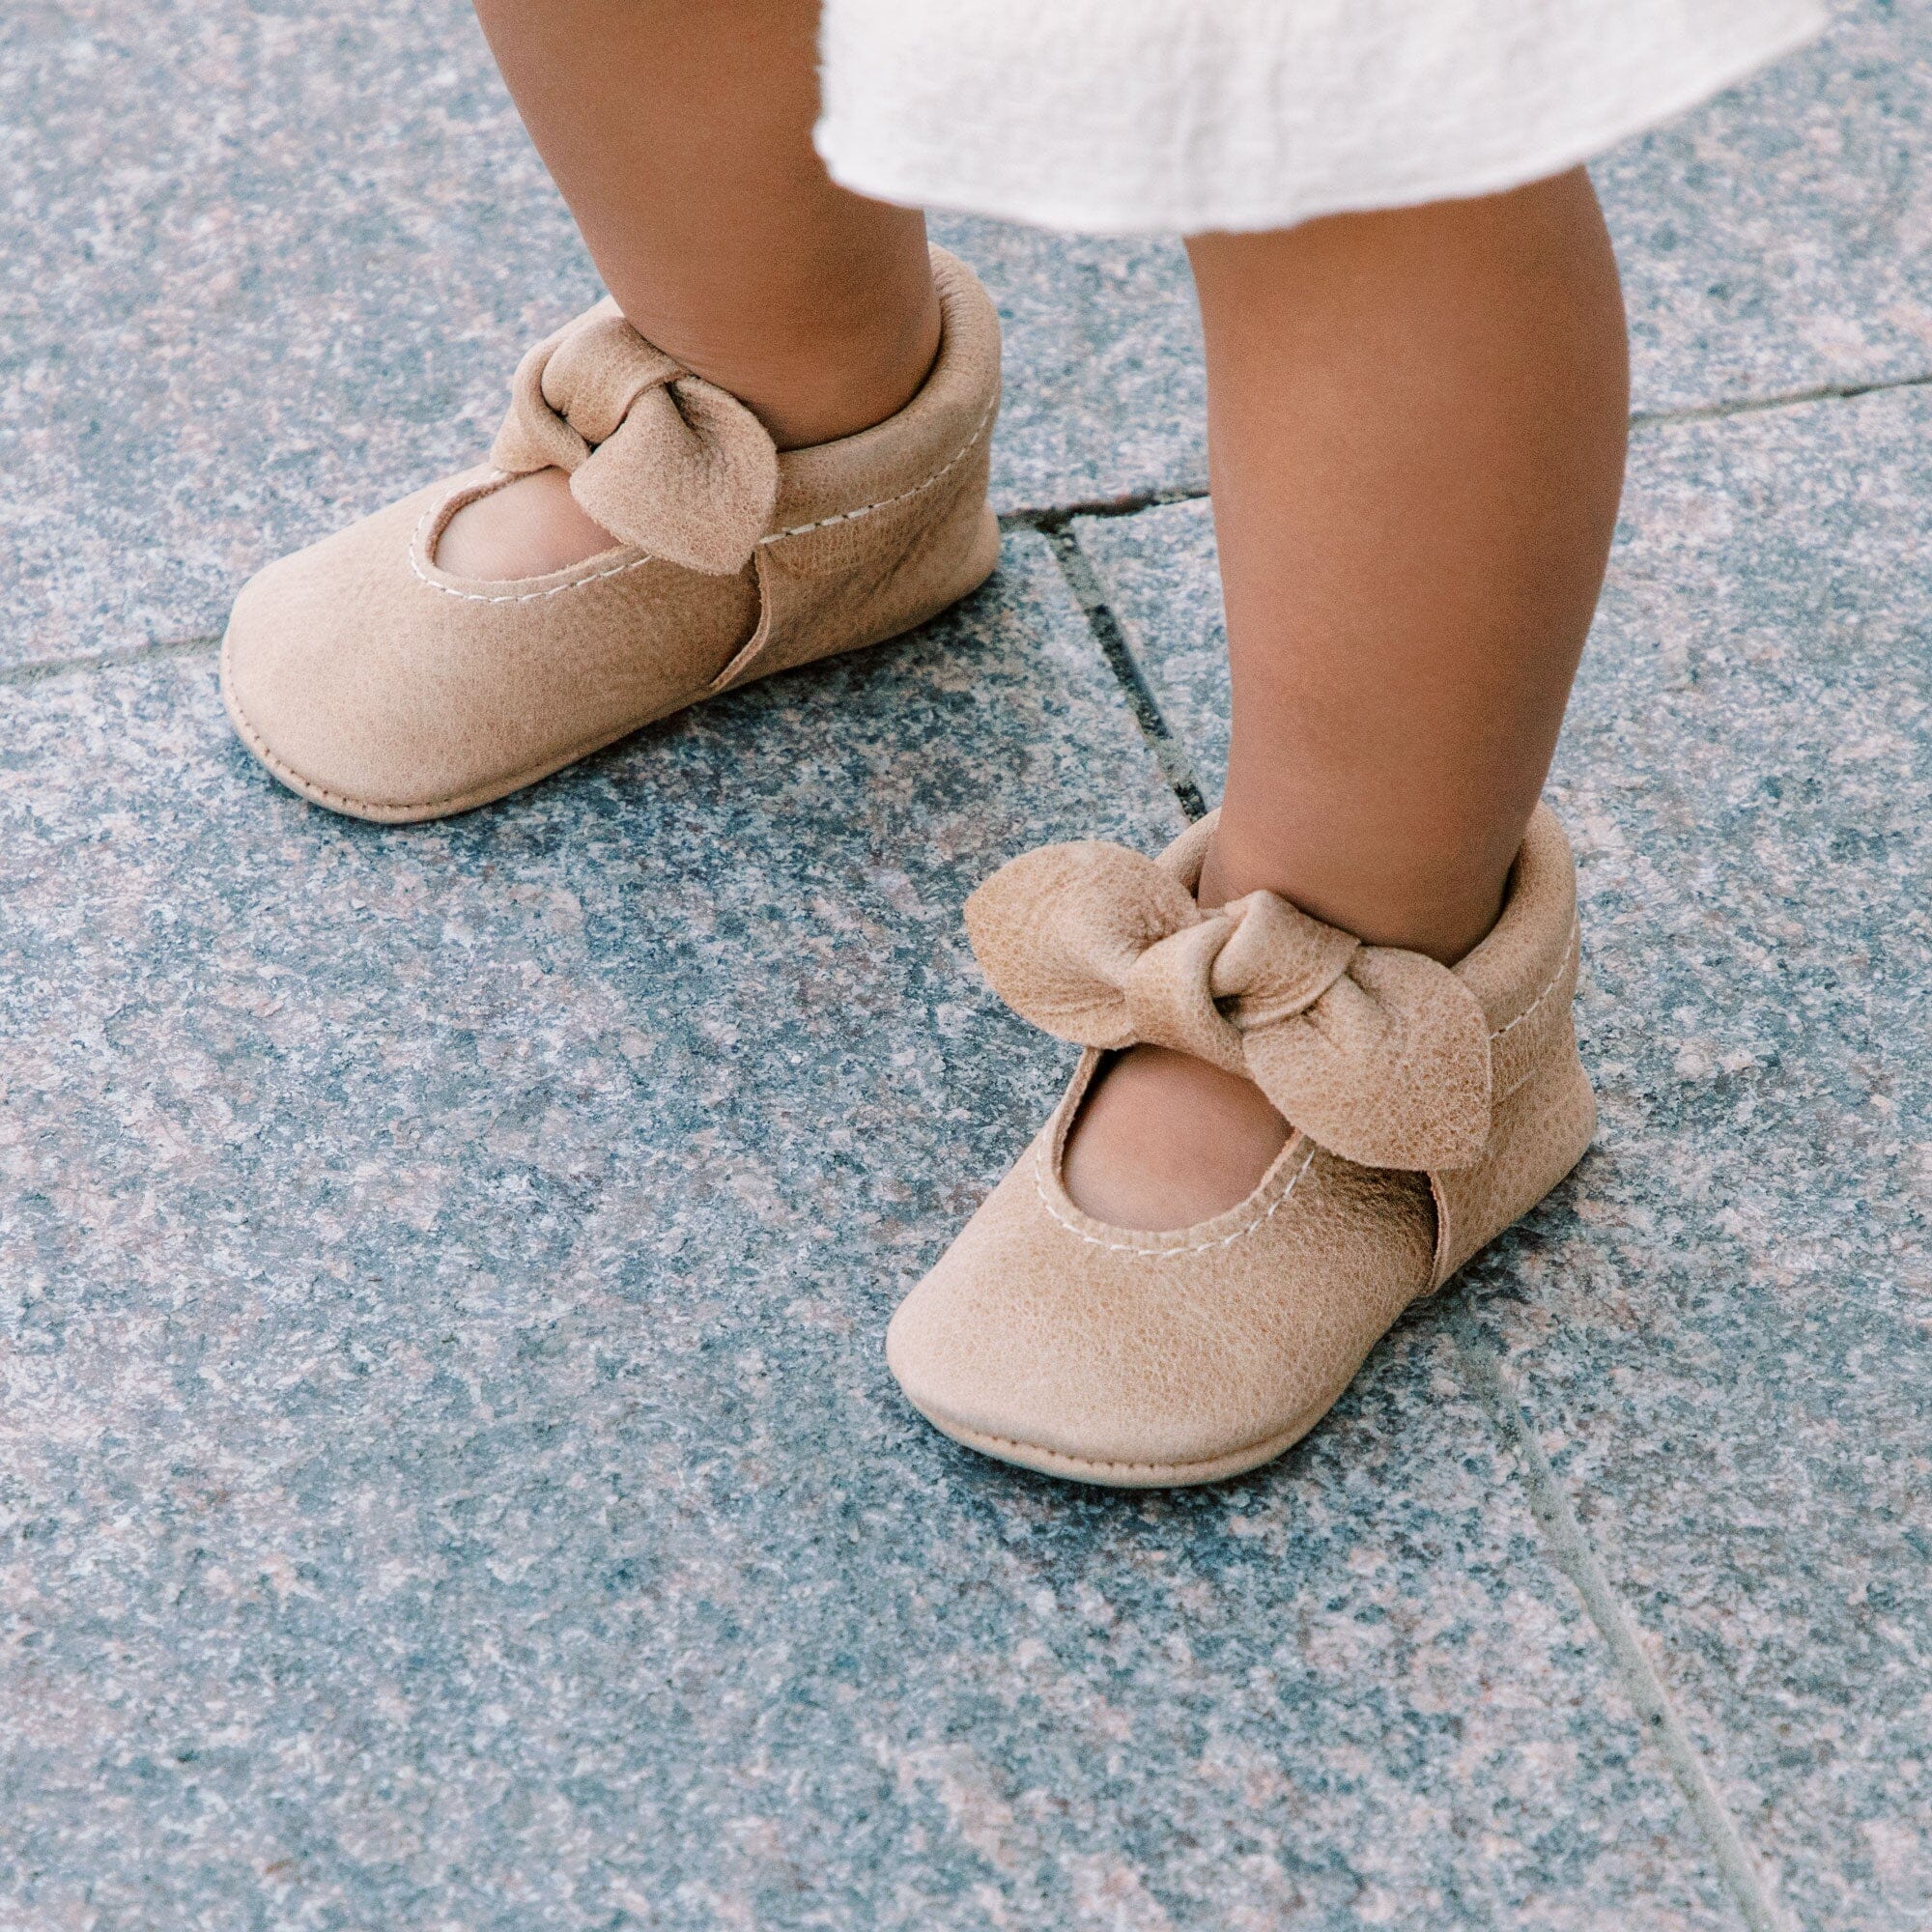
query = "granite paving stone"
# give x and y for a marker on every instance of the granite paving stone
(263, 267)
(1105, 395)
(448, 1474)
(1739, 1318)
(1779, 239)
(1722, 1329)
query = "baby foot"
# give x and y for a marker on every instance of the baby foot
(1165, 1141)
(530, 527)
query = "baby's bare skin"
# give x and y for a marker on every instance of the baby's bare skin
(531, 525)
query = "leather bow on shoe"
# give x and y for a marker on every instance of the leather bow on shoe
(1377, 1054)
(660, 457)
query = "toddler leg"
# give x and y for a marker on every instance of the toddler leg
(1416, 425)
(681, 137)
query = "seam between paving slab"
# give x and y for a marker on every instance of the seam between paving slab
(1744, 406)
(1570, 1548)
(1576, 1557)
(37, 669)
(1169, 752)
(1056, 515)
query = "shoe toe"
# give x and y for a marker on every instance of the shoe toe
(1156, 1360)
(374, 683)
(1051, 1389)
(327, 684)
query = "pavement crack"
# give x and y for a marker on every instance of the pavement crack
(1576, 1557)
(1746, 406)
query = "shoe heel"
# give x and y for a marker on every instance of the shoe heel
(1542, 1129)
(857, 582)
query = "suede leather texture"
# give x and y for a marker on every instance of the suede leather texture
(1143, 1359)
(371, 681)
(664, 460)
(1381, 1054)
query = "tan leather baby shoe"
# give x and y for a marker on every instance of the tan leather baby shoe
(371, 680)
(1430, 1107)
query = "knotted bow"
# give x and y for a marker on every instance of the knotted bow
(661, 458)
(1380, 1055)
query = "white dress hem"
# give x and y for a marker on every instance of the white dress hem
(867, 152)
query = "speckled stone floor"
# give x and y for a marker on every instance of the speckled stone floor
(448, 1478)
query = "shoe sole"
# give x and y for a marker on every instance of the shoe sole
(1129, 1475)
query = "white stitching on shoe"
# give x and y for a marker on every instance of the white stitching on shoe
(951, 462)
(1562, 966)
(1133, 1248)
(637, 562)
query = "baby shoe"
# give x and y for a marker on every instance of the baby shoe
(371, 680)
(1430, 1106)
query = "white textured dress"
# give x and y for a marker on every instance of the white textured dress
(1123, 115)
